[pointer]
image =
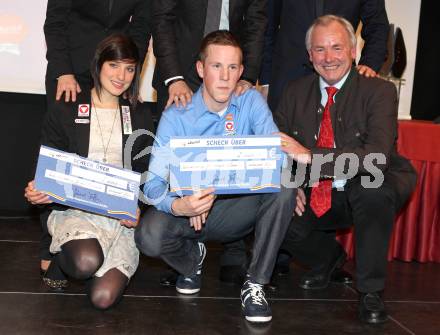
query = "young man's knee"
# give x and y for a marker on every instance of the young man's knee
(284, 195)
(148, 238)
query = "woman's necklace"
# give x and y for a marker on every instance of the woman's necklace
(105, 147)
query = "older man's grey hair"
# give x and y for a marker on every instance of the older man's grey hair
(325, 21)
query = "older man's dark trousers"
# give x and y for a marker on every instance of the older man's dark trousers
(311, 240)
(231, 218)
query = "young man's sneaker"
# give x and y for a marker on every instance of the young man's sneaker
(192, 284)
(253, 302)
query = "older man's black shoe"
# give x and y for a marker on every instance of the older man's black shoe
(317, 279)
(314, 281)
(372, 308)
(340, 276)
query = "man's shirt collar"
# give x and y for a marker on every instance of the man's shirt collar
(200, 107)
(323, 84)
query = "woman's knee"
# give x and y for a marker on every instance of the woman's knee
(106, 291)
(82, 258)
(104, 298)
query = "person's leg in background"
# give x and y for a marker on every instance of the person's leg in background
(233, 262)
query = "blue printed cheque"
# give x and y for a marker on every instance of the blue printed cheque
(232, 165)
(78, 182)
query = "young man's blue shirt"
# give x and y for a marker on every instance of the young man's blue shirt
(248, 113)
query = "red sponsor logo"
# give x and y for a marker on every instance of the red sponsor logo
(229, 126)
(83, 110)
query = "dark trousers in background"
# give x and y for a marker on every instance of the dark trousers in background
(311, 240)
(230, 219)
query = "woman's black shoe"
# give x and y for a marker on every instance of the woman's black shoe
(56, 285)
(54, 278)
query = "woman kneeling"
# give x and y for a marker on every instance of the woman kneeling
(97, 126)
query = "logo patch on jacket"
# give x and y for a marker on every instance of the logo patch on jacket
(84, 110)
(229, 125)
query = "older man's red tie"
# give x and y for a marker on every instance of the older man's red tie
(321, 196)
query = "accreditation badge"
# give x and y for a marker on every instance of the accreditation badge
(126, 120)
(82, 121)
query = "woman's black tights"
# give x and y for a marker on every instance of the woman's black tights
(81, 259)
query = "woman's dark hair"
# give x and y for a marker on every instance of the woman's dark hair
(117, 47)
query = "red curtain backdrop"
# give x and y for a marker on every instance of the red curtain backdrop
(416, 234)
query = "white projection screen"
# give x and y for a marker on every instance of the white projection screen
(22, 46)
(23, 49)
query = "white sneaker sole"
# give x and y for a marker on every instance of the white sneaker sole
(258, 318)
(187, 290)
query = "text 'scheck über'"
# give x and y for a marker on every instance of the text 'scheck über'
(78, 182)
(232, 165)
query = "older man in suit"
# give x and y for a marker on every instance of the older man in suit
(284, 56)
(344, 126)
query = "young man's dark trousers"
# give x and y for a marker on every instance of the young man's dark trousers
(231, 218)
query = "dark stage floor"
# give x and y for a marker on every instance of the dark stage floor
(27, 307)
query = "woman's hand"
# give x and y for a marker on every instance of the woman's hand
(130, 223)
(35, 197)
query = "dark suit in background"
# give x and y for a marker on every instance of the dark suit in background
(285, 57)
(73, 28)
(178, 29)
